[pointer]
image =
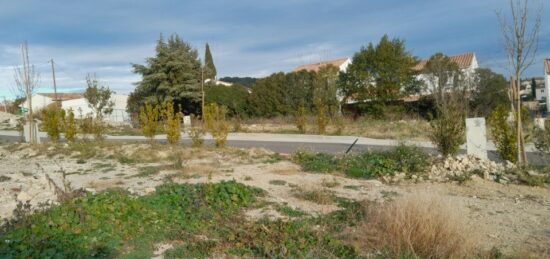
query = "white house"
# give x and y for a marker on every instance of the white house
(341, 63)
(547, 83)
(41, 100)
(467, 63)
(79, 104)
(81, 108)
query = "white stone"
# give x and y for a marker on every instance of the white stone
(539, 123)
(187, 121)
(476, 137)
(23, 196)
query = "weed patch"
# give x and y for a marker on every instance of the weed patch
(277, 182)
(319, 162)
(117, 224)
(317, 196)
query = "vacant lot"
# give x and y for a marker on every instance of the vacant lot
(181, 202)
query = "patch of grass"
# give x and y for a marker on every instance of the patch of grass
(316, 162)
(81, 161)
(273, 158)
(148, 171)
(123, 159)
(199, 249)
(117, 224)
(248, 178)
(289, 211)
(330, 184)
(368, 165)
(352, 187)
(322, 196)
(277, 182)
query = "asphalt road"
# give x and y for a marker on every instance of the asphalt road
(535, 158)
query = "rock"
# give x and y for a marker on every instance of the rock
(23, 196)
(149, 190)
(90, 190)
(533, 173)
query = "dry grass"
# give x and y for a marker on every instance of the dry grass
(391, 128)
(415, 226)
(319, 196)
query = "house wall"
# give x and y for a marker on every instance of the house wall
(540, 94)
(81, 108)
(38, 102)
(547, 91)
(429, 86)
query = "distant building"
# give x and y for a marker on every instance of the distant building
(79, 105)
(341, 63)
(467, 63)
(41, 100)
(547, 83)
(218, 82)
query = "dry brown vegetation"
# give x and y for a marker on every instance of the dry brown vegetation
(416, 226)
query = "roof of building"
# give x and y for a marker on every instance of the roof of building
(63, 96)
(547, 66)
(463, 61)
(316, 66)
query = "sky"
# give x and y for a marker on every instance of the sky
(247, 37)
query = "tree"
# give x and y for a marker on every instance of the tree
(233, 97)
(98, 96)
(173, 74)
(209, 67)
(281, 94)
(380, 73)
(490, 91)
(521, 36)
(325, 89)
(26, 81)
(449, 90)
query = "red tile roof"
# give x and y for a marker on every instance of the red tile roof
(64, 96)
(547, 66)
(316, 66)
(463, 61)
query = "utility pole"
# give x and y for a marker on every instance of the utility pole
(54, 83)
(202, 90)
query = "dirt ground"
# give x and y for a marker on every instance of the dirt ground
(511, 217)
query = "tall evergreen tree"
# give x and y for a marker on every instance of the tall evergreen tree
(210, 68)
(173, 74)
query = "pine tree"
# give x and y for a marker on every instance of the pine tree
(210, 68)
(173, 75)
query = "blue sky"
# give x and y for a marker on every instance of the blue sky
(247, 38)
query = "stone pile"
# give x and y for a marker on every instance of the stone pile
(465, 166)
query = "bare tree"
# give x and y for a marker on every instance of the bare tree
(26, 81)
(521, 35)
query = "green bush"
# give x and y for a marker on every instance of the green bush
(319, 162)
(372, 164)
(542, 138)
(503, 134)
(448, 131)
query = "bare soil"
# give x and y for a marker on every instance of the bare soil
(511, 217)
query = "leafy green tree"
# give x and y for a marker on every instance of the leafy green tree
(98, 97)
(233, 97)
(379, 72)
(281, 94)
(173, 75)
(209, 67)
(490, 91)
(247, 82)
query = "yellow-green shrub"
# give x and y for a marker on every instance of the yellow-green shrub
(503, 134)
(149, 121)
(172, 123)
(52, 117)
(216, 123)
(70, 127)
(196, 132)
(300, 119)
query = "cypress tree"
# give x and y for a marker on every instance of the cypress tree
(210, 68)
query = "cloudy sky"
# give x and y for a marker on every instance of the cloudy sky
(247, 37)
